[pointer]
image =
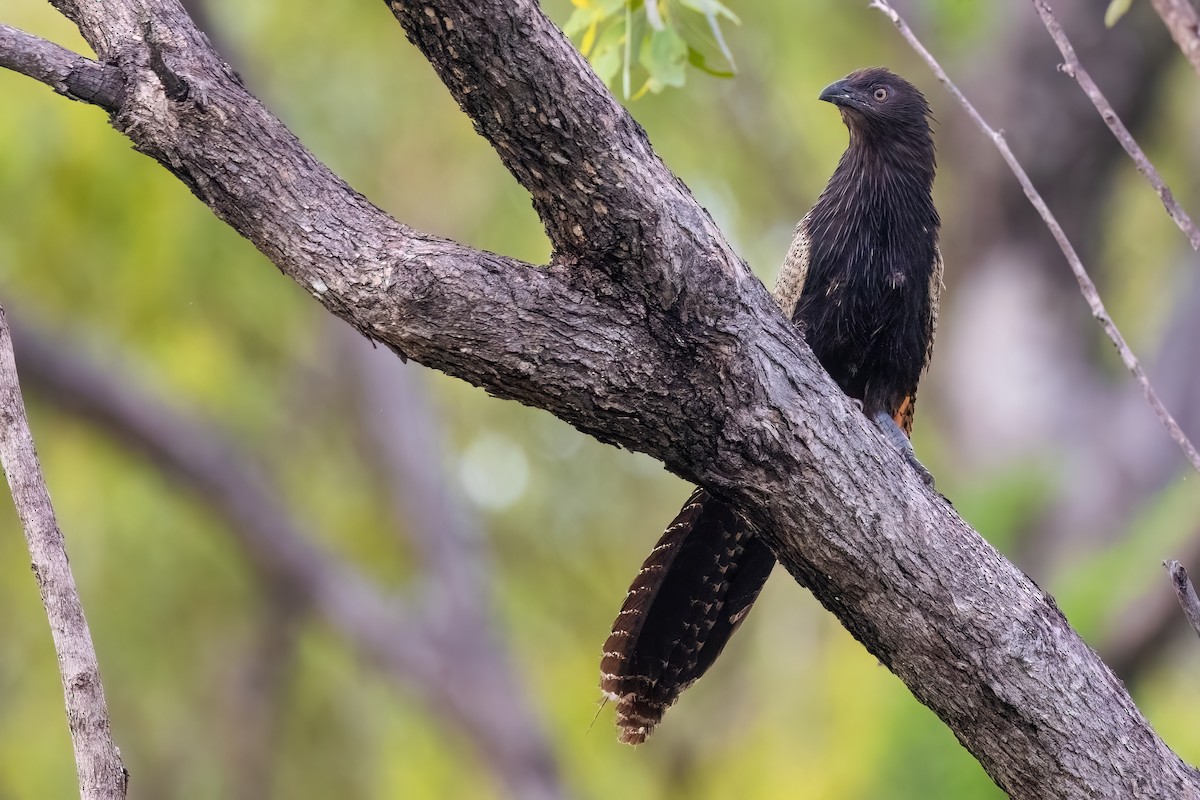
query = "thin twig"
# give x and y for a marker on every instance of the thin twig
(1186, 593)
(1086, 286)
(97, 760)
(1183, 22)
(1071, 66)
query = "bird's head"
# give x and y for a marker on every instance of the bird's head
(877, 102)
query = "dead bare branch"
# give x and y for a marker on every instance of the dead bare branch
(1090, 293)
(1072, 67)
(101, 774)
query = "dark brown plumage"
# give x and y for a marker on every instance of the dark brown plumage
(862, 281)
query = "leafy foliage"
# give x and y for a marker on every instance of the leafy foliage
(651, 43)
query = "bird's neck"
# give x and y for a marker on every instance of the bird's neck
(889, 182)
(907, 160)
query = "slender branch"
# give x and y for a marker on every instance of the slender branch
(67, 73)
(1183, 22)
(1186, 593)
(1086, 285)
(409, 648)
(97, 760)
(1072, 66)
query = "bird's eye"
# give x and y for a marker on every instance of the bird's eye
(881, 94)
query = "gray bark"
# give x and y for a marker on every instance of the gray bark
(97, 760)
(648, 332)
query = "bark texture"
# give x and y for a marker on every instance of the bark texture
(648, 332)
(97, 760)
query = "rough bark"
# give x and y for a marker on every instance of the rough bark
(646, 331)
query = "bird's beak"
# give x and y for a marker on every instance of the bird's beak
(837, 93)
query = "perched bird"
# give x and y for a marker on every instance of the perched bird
(862, 281)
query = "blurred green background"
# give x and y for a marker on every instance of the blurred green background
(1027, 419)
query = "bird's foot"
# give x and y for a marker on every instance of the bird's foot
(890, 429)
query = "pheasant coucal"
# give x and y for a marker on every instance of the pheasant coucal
(862, 281)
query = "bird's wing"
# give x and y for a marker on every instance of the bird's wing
(790, 282)
(908, 405)
(935, 299)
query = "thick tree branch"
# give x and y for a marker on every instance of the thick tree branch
(97, 760)
(1183, 22)
(554, 125)
(664, 344)
(65, 72)
(411, 648)
(1185, 592)
(1071, 66)
(1086, 285)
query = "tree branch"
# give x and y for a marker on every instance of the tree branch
(65, 72)
(408, 647)
(1183, 22)
(1186, 593)
(1086, 285)
(661, 342)
(554, 125)
(97, 760)
(1074, 68)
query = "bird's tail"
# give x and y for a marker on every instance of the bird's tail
(692, 593)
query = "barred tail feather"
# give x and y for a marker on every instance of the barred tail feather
(693, 591)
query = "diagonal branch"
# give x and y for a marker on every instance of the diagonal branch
(1088, 287)
(1071, 66)
(554, 125)
(1183, 21)
(406, 646)
(97, 760)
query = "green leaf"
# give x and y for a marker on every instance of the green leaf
(711, 9)
(1116, 10)
(579, 21)
(712, 54)
(664, 55)
(698, 60)
(608, 52)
